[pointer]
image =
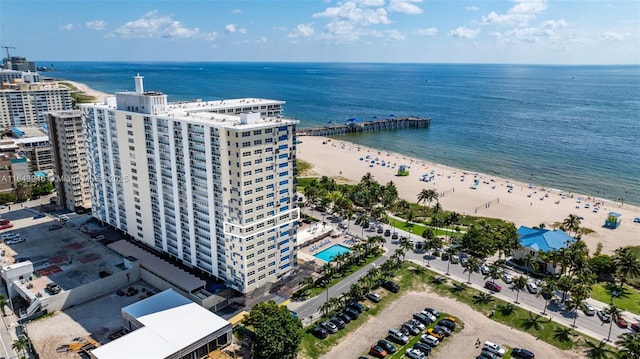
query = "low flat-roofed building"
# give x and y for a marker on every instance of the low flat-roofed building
(167, 326)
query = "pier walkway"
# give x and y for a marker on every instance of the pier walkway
(366, 126)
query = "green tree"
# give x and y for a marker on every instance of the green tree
(472, 263)
(629, 346)
(3, 303)
(277, 332)
(627, 264)
(547, 290)
(519, 283)
(6, 198)
(483, 298)
(563, 334)
(20, 345)
(572, 224)
(614, 312)
(427, 195)
(597, 351)
(533, 321)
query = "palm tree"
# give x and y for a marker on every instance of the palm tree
(565, 284)
(519, 283)
(406, 245)
(483, 298)
(400, 252)
(20, 345)
(614, 312)
(628, 346)
(306, 283)
(627, 264)
(597, 351)
(326, 308)
(437, 280)
(472, 262)
(547, 290)
(563, 334)
(449, 251)
(528, 261)
(532, 322)
(3, 302)
(459, 287)
(427, 195)
(572, 223)
(507, 309)
(572, 305)
(356, 292)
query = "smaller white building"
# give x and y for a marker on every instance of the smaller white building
(167, 326)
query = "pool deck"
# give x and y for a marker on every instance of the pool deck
(312, 235)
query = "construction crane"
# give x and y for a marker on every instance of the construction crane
(7, 49)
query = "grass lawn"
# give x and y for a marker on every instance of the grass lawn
(630, 303)
(417, 229)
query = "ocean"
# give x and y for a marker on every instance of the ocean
(574, 128)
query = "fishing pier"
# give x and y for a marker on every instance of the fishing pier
(355, 125)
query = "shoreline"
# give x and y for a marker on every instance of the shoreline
(493, 196)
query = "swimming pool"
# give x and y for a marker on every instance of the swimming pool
(328, 254)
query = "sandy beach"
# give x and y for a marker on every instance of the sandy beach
(496, 197)
(100, 96)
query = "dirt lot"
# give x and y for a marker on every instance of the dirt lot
(476, 325)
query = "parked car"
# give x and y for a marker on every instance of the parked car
(493, 286)
(374, 297)
(519, 353)
(431, 317)
(433, 311)
(439, 335)
(10, 235)
(635, 327)
(394, 236)
(454, 259)
(621, 322)
(352, 313)
(414, 354)
(447, 323)
(357, 306)
(422, 318)
(14, 240)
(588, 309)
(398, 336)
(416, 323)
(430, 340)
(377, 351)
(488, 355)
(532, 288)
(4, 221)
(345, 317)
(6, 226)
(604, 317)
(445, 330)
(410, 328)
(338, 322)
(319, 332)
(330, 327)
(39, 215)
(342, 225)
(388, 347)
(391, 286)
(484, 269)
(422, 347)
(387, 233)
(494, 348)
(507, 278)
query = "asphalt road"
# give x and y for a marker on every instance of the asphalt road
(590, 325)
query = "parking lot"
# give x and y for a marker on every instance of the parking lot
(461, 345)
(64, 255)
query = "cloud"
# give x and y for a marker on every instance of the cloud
(520, 14)
(67, 27)
(96, 24)
(405, 6)
(302, 30)
(464, 33)
(533, 34)
(430, 31)
(350, 20)
(236, 11)
(472, 8)
(152, 25)
(395, 35)
(613, 36)
(231, 28)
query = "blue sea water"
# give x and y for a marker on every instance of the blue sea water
(575, 128)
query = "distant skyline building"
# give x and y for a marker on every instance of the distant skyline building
(67, 137)
(27, 104)
(211, 183)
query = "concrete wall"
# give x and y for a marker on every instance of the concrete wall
(81, 294)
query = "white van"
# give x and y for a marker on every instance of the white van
(11, 235)
(398, 336)
(494, 348)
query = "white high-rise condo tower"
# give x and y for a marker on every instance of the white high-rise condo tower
(211, 183)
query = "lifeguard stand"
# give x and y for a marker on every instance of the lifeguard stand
(613, 220)
(403, 170)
